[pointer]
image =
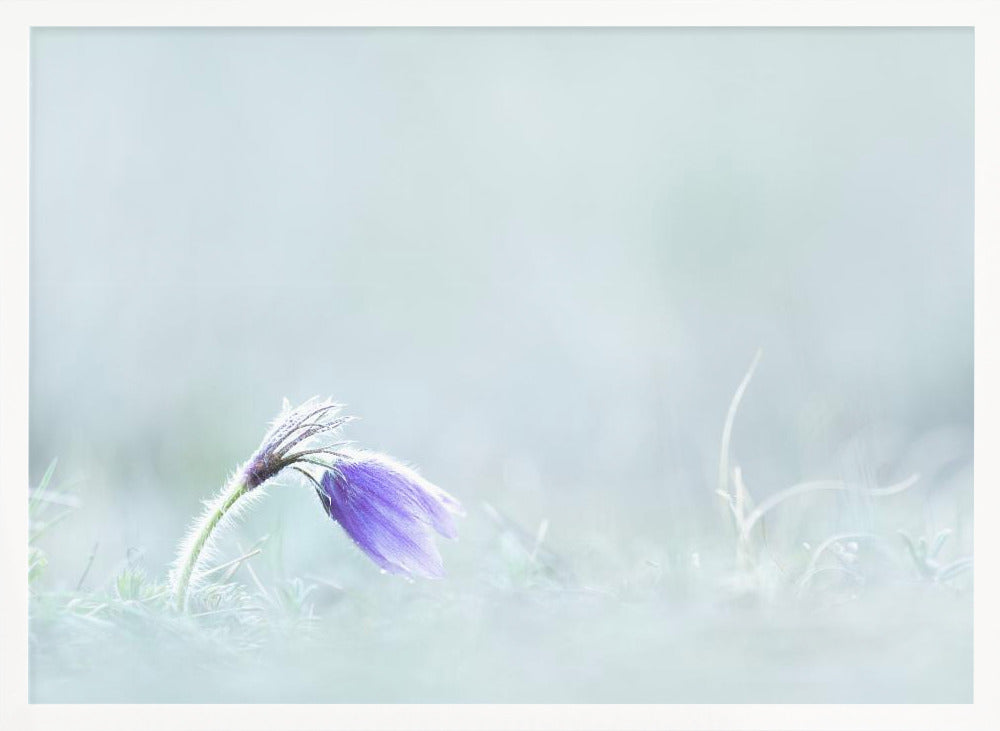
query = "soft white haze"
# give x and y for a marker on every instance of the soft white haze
(537, 263)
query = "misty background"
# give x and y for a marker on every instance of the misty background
(535, 262)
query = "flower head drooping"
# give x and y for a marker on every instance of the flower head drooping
(388, 509)
(300, 437)
(390, 512)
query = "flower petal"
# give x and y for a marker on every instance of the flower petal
(399, 489)
(394, 539)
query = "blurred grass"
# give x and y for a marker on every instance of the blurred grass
(826, 591)
(856, 618)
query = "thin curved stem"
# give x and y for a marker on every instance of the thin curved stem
(727, 429)
(829, 542)
(827, 570)
(817, 486)
(201, 532)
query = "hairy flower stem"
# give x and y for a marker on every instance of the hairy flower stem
(237, 487)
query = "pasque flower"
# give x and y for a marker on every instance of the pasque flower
(389, 510)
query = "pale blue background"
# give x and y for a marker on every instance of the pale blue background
(536, 262)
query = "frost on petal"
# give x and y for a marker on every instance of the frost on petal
(388, 510)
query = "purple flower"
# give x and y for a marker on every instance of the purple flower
(390, 512)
